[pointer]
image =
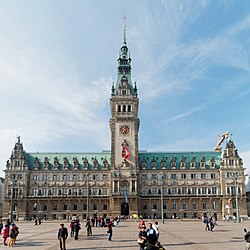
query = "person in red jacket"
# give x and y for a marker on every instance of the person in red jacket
(5, 234)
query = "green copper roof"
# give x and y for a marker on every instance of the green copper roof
(91, 158)
(158, 157)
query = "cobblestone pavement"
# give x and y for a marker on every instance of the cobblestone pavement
(173, 235)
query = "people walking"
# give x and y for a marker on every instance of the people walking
(88, 227)
(110, 229)
(5, 234)
(206, 221)
(12, 235)
(142, 222)
(1, 226)
(77, 228)
(62, 236)
(150, 229)
(142, 238)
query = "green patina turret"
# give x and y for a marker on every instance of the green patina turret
(124, 68)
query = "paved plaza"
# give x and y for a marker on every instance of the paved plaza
(173, 235)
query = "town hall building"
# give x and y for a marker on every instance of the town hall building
(124, 180)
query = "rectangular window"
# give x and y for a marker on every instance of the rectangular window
(204, 190)
(74, 177)
(183, 176)
(105, 191)
(144, 177)
(65, 177)
(115, 186)
(65, 207)
(165, 205)
(184, 205)
(213, 175)
(214, 190)
(133, 186)
(105, 177)
(194, 205)
(204, 205)
(84, 207)
(173, 176)
(184, 190)
(95, 207)
(144, 192)
(193, 176)
(154, 191)
(154, 176)
(144, 206)
(174, 190)
(194, 190)
(105, 206)
(54, 177)
(174, 205)
(154, 206)
(203, 176)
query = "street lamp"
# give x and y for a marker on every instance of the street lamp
(11, 198)
(235, 177)
(162, 204)
(87, 216)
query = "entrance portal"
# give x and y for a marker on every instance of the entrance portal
(125, 209)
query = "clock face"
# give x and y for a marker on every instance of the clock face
(124, 129)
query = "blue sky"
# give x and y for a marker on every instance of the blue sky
(58, 59)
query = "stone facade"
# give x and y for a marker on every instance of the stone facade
(124, 180)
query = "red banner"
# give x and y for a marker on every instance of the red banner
(125, 153)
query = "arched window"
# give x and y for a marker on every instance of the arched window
(119, 108)
(129, 108)
(124, 108)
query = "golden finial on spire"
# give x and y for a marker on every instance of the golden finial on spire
(124, 26)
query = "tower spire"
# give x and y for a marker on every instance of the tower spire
(124, 30)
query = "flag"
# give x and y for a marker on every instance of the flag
(125, 153)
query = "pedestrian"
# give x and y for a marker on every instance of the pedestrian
(110, 230)
(142, 238)
(62, 236)
(247, 239)
(77, 228)
(88, 227)
(151, 245)
(39, 222)
(16, 232)
(5, 234)
(206, 221)
(150, 229)
(1, 226)
(211, 223)
(71, 228)
(12, 235)
(36, 224)
(156, 228)
(142, 222)
(93, 221)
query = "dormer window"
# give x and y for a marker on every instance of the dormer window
(124, 92)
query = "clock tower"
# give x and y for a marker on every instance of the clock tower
(124, 126)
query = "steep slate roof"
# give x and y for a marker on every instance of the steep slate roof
(168, 156)
(147, 157)
(90, 157)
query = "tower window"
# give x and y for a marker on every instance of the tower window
(124, 92)
(129, 108)
(119, 108)
(124, 108)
